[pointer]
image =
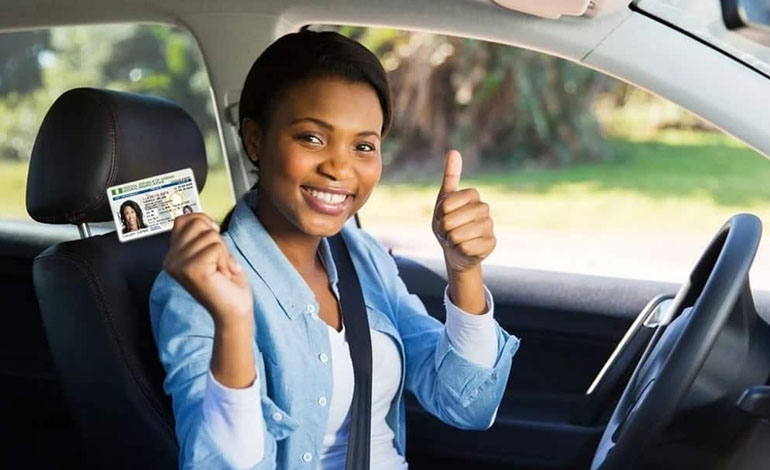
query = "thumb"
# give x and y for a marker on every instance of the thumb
(452, 171)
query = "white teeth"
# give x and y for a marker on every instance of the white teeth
(327, 197)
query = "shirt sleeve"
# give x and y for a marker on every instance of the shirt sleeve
(184, 335)
(473, 336)
(456, 390)
(235, 422)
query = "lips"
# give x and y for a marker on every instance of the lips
(327, 200)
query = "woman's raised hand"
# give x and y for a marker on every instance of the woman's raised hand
(200, 261)
(461, 220)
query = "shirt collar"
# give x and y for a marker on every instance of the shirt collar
(266, 259)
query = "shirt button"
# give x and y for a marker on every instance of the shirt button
(322, 401)
(323, 357)
(311, 308)
(307, 456)
(277, 416)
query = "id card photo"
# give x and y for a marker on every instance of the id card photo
(149, 206)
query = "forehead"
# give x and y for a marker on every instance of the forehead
(343, 104)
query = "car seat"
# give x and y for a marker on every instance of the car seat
(94, 292)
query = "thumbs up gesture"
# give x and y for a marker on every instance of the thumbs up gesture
(461, 221)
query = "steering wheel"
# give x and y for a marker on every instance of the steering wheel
(676, 352)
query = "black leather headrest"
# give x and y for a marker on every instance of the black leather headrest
(93, 139)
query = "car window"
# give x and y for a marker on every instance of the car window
(583, 173)
(38, 66)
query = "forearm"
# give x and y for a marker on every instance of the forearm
(232, 357)
(466, 290)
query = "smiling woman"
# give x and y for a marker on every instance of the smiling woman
(329, 117)
(248, 323)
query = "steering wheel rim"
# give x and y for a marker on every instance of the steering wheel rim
(676, 353)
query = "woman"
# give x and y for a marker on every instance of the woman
(247, 323)
(131, 216)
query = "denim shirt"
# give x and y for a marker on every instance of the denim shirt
(290, 345)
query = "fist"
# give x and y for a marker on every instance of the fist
(199, 260)
(461, 221)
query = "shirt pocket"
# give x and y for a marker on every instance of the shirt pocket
(277, 422)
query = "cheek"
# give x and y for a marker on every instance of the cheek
(288, 164)
(369, 175)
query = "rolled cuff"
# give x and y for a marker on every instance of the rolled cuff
(473, 336)
(234, 421)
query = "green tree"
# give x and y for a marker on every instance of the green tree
(493, 102)
(150, 59)
(20, 70)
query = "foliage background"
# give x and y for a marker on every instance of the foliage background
(581, 170)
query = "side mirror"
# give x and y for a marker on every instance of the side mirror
(751, 18)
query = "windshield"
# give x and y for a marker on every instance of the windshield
(703, 19)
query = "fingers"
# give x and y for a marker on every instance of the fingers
(453, 201)
(477, 248)
(188, 226)
(474, 211)
(194, 234)
(469, 231)
(452, 170)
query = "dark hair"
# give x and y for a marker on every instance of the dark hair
(139, 216)
(306, 55)
(299, 57)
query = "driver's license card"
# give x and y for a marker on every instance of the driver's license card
(149, 206)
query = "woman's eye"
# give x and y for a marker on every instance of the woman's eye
(310, 138)
(365, 148)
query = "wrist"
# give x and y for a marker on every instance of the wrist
(464, 274)
(232, 358)
(233, 322)
(466, 290)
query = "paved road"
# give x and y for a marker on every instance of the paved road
(653, 255)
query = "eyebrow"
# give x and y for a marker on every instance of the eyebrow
(328, 126)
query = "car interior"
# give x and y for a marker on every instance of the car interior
(613, 373)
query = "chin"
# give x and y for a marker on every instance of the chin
(326, 228)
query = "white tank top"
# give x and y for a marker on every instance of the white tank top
(386, 361)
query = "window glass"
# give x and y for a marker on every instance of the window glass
(583, 173)
(36, 67)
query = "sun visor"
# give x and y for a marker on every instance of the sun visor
(555, 9)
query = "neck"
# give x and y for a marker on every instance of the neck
(298, 247)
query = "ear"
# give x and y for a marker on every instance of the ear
(252, 138)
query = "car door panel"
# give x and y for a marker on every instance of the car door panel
(569, 324)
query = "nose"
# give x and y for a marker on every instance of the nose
(338, 164)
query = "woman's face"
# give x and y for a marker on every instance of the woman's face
(129, 215)
(319, 158)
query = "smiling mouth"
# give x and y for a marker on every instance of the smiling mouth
(330, 203)
(327, 197)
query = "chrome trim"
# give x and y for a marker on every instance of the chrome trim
(649, 311)
(84, 230)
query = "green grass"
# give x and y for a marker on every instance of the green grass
(683, 181)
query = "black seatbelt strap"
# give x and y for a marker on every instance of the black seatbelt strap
(360, 344)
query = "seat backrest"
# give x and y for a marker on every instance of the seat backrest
(94, 292)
